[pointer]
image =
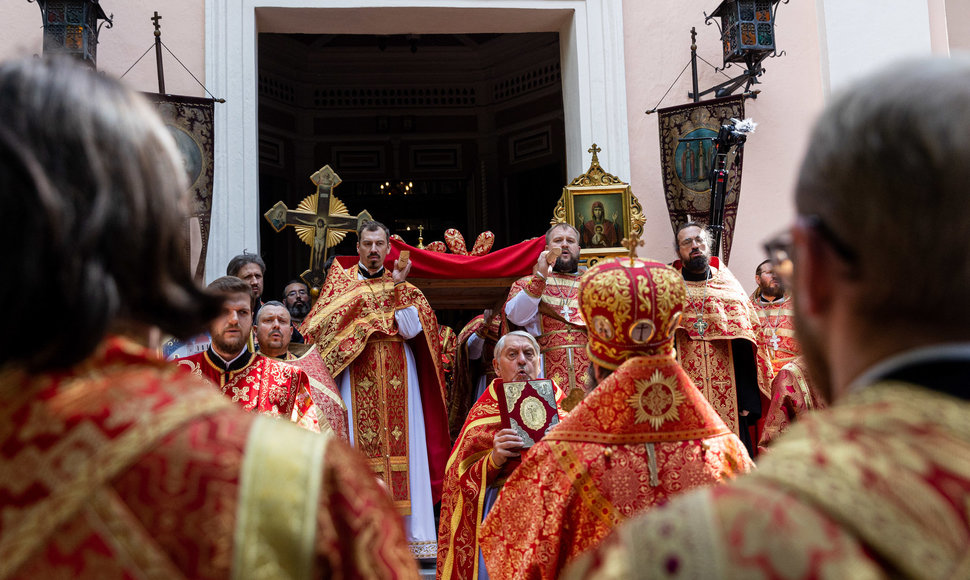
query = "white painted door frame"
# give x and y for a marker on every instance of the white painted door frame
(593, 78)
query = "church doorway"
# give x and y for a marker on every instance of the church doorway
(427, 132)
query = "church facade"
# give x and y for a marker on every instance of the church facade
(611, 62)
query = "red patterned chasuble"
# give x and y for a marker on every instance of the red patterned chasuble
(327, 408)
(352, 323)
(469, 474)
(777, 330)
(874, 487)
(127, 466)
(722, 306)
(643, 435)
(792, 396)
(562, 331)
(264, 385)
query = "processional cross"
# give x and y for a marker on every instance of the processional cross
(320, 220)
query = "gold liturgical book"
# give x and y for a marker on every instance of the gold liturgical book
(528, 407)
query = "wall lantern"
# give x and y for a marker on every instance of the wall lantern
(72, 27)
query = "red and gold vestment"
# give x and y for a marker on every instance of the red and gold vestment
(777, 331)
(469, 474)
(262, 384)
(127, 466)
(792, 395)
(643, 435)
(558, 327)
(327, 409)
(874, 487)
(353, 325)
(469, 371)
(720, 307)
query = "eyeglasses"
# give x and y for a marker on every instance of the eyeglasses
(779, 248)
(293, 293)
(688, 242)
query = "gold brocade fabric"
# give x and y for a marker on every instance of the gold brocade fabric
(875, 487)
(777, 330)
(792, 396)
(562, 339)
(721, 304)
(353, 325)
(643, 435)
(468, 475)
(380, 403)
(127, 466)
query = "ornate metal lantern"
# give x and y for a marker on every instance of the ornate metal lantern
(747, 30)
(72, 27)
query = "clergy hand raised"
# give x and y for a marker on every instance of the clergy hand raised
(400, 274)
(505, 445)
(546, 259)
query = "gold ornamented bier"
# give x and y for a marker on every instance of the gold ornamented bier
(529, 408)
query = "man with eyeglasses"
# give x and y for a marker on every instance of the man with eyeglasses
(878, 484)
(296, 297)
(717, 341)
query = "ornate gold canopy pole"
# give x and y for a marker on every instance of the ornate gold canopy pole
(320, 220)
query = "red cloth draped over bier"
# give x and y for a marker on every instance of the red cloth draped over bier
(516, 260)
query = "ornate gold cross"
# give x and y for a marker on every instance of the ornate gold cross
(634, 241)
(320, 220)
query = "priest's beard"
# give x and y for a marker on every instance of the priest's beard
(697, 264)
(566, 265)
(812, 352)
(230, 345)
(299, 310)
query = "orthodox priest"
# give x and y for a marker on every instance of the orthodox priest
(877, 485)
(113, 462)
(254, 382)
(378, 336)
(273, 334)
(642, 435)
(717, 341)
(773, 303)
(545, 305)
(483, 457)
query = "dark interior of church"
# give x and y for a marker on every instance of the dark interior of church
(461, 131)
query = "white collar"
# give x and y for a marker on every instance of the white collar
(942, 351)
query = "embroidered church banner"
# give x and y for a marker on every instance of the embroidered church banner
(190, 121)
(686, 147)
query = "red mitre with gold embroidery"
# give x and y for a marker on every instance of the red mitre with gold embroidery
(631, 308)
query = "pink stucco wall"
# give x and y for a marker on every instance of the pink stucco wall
(657, 46)
(183, 32)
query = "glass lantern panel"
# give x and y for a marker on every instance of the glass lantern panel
(748, 37)
(74, 40)
(74, 14)
(765, 37)
(763, 11)
(55, 12)
(54, 36)
(731, 43)
(746, 10)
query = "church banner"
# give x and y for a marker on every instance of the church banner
(190, 121)
(686, 145)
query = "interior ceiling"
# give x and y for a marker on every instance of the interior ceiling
(392, 41)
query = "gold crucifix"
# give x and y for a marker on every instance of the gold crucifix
(320, 220)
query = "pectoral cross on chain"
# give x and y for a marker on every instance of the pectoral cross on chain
(774, 341)
(319, 217)
(700, 326)
(566, 311)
